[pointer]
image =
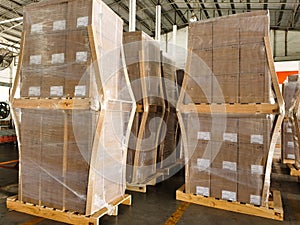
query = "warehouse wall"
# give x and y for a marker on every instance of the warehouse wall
(5, 78)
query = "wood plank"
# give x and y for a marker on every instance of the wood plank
(18, 72)
(293, 170)
(142, 188)
(274, 77)
(231, 206)
(64, 216)
(288, 161)
(63, 104)
(277, 201)
(267, 180)
(230, 108)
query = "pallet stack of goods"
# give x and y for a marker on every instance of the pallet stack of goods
(290, 126)
(142, 56)
(74, 112)
(227, 115)
(169, 155)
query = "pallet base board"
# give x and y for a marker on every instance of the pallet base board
(274, 211)
(293, 170)
(172, 169)
(14, 204)
(288, 161)
(152, 181)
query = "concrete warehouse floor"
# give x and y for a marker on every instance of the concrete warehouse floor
(159, 204)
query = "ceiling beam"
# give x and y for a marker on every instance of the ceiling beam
(180, 14)
(218, 7)
(232, 6)
(248, 6)
(281, 12)
(204, 9)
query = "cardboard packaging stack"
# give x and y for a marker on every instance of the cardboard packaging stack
(67, 161)
(290, 127)
(228, 64)
(143, 61)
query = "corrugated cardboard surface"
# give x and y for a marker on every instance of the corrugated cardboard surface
(232, 45)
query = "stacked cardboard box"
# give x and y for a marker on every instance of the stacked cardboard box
(56, 165)
(290, 133)
(143, 61)
(219, 65)
(228, 64)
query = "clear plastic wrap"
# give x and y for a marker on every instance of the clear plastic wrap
(227, 155)
(227, 62)
(73, 159)
(290, 126)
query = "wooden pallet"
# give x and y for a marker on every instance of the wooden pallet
(152, 181)
(293, 170)
(274, 211)
(66, 216)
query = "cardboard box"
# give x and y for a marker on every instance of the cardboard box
(289, 146)
(200, 91)
(30, 85)
(255, 130)
(198, 176)
(253, 59)
(255, 88)
(205, 58)
(252, 160)
(226, 88)
(232, 34)
(225, 159)
(226, 60)
(201, 35)
(53, 86)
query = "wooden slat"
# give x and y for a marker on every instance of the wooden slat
(274, 77)
(277, 201)
(63, 104)
(142, 188)
(293, 170)
(275, 214)
(230, 108)
(63, 216)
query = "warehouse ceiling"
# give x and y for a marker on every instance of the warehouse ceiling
(284, 14)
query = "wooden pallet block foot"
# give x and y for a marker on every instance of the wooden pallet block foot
(13, 204)
(151, 181)
(172, 169)
(293, 170)
(274, 211)
(288, 161)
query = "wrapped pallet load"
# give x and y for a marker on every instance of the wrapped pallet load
(75, 108)
(228, 117)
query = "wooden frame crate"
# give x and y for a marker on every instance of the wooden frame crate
(227, 108)
(97, 139)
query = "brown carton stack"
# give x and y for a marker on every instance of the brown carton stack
(227, 64)
(143, 61)
(290, 125)
(72, 152)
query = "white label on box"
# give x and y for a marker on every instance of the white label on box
(203, 164)
(59, 25)
(232, 137)
(35, 60)
(34, 91)
(80, 91)
(291, 156)
(257, 139)
(81, 56)
(229, 195)
(58, 58)
(229, 165)
(291, 144)
(56, 91)
(82, 21)
(37, 28)
(202, 191)
(257, 169)
(204, 136)
(289, 130)
(255, 199)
